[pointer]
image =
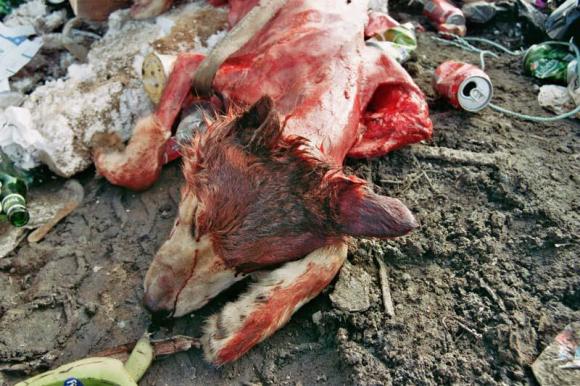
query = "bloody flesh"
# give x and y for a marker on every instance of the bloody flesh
(264, 186)
(346, 98)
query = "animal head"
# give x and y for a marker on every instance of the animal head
(254, 198)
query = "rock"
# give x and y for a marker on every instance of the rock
(10, 237)
(317, 317)
(352, 291)
(559, 363)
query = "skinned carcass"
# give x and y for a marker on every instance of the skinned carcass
(265, 192)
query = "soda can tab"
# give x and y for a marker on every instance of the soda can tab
(445, 16)
(544, 61)
(155, 72)
(465, 86)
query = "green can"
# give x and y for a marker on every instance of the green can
(545, 61)
(399, 35)
(6, 6)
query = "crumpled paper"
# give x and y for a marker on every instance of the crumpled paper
(19, 140)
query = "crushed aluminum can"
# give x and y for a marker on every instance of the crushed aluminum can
(464, 85)
(398, 42)
(479, 12)
(544, 61)
(401, 34)
(446, 17)
(155, 72)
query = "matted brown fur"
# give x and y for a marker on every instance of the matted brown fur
(269, 198)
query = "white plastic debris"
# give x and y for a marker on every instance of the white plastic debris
(558, 99)
(18, 138)
(10, 98)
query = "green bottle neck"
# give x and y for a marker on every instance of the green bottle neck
(11, 185)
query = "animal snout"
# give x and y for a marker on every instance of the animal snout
(159, 312)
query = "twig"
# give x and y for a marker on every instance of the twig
(387, 299)
(476, 334)
(409, 181)
(458, 156)
(423, 172)
(118, 207)
(392, 182)
(492, 294)
(162, 347)
(446, 334)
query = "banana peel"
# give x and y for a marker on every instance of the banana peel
(99, 371)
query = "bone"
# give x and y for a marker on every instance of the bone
(236, 39)
(155, 72)
(468, 329)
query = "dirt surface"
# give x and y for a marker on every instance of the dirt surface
(479, 290)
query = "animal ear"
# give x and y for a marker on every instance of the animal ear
(258, 129)
(362, 213)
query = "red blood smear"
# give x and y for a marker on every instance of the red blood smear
(311, 59)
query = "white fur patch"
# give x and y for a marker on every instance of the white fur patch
(222, 327)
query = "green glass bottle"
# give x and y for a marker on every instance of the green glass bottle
(13, 199)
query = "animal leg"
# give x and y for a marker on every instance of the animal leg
(269, 303)
(138, 165)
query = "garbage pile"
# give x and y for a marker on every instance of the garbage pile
(73, 76)
(64, 78)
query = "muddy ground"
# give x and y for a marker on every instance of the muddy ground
(479, 290)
